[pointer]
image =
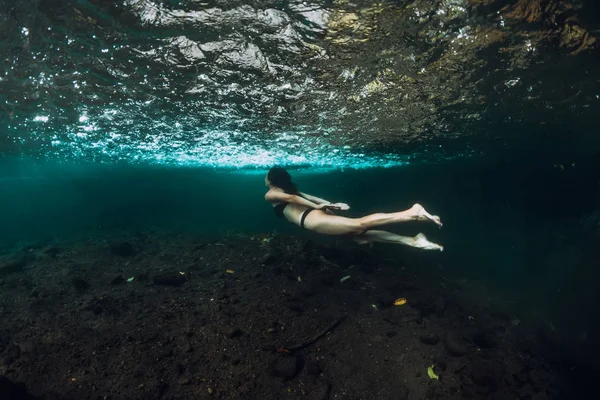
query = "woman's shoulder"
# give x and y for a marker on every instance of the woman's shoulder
(276, 195)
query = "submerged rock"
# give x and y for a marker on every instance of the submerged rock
(430, 338)
(287, 367)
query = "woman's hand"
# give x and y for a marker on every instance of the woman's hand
(335, 206)
(342, 206)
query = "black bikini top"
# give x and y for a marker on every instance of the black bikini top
(279, 209)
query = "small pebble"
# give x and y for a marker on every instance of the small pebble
(210, 391)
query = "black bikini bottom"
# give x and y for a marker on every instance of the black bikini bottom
(304, 214)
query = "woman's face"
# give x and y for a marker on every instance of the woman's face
(267, 182)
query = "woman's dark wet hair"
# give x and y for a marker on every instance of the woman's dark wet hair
(282, 179)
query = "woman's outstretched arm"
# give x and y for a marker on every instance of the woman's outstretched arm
(314, 199)
(276, 195)
(317, 200)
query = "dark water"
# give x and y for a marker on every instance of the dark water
(138, 115)
(528, 230)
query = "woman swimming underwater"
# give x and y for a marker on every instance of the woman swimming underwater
(314, 214)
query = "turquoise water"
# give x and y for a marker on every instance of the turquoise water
(524, 228)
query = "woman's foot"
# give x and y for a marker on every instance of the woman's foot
(421, 242)
(423, 215)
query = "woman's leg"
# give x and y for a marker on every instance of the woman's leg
(419, 241)
(318, 221)
(415, 213)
